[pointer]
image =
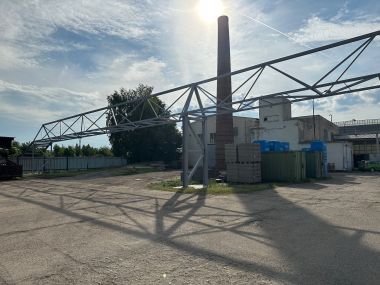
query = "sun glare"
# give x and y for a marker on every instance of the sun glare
(209, 10)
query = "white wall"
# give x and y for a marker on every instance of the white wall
(287, 131)
(341, 154)
(244, 125)
(281, 112)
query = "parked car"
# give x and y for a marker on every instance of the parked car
(366, 165)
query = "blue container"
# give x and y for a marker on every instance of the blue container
(318, 146)
(274, 145)
(285, 146)
(264, 145)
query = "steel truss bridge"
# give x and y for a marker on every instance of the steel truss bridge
(195, 102)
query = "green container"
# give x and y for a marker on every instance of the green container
(283, 166)
(314, 164)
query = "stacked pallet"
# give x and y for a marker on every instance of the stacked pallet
(243, 163)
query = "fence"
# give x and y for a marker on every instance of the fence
(358, 122)
(39, 164)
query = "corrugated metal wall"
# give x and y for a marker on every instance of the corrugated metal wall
(283, 166)
(68, 163)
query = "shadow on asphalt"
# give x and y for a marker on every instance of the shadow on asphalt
(316, 250)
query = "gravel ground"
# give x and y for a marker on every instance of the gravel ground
(96, 229)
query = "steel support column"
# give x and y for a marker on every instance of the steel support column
(185, 151)
(377, 146)
(205, 152)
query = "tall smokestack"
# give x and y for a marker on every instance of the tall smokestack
(224, 123)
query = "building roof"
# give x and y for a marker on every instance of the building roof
(355, 137)
(311, 116)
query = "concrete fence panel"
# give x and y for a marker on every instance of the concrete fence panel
(42, 164)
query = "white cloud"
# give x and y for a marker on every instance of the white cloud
(26, 26)
(318, 30)
(34, 103)
(12, 56)
(127, 71)
(343, 107)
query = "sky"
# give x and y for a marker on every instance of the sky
(59, 58)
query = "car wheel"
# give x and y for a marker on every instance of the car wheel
(372, 169)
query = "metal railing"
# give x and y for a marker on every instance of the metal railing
(358, 122)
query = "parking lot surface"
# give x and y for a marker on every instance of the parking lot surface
(95, 229)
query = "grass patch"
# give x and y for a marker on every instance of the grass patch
(130, 170)
(114, 171)
(213, 187)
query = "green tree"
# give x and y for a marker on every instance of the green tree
(147, 144)
(87, 150)
(58, 150)
(69, 151)
(15, 149)
(78, 150)
(105, 151)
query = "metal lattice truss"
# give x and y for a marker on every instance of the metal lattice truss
(196, 101)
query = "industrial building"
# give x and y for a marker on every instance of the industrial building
(364, 136)
(275, 122)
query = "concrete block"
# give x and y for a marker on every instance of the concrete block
(248, 153)
(249, 172)
(230, 151)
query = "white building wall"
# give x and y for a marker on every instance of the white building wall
(341, 154)
(275, 113)
(287, 131)
(244, 126)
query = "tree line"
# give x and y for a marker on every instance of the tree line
(19, 149)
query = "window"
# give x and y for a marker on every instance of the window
(212, 137)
